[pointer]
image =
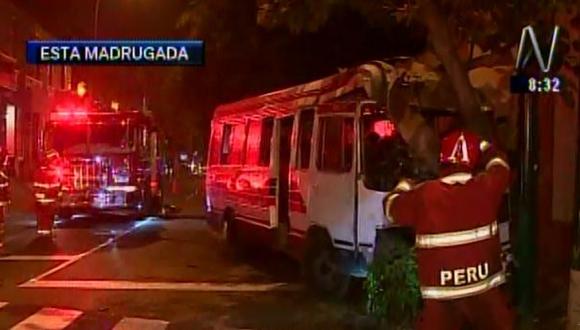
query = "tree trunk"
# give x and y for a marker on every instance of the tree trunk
(441, 41)
(421, 138)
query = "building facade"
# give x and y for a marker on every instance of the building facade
(25, 90)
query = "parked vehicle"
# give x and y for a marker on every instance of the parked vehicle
(97, 160)
(306, 169)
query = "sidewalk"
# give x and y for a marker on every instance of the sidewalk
(21, 197)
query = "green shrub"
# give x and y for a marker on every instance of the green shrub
(392, 286)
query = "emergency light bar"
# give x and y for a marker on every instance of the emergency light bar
(68, 115)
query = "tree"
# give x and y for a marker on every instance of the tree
(456, 30)
(492, 26)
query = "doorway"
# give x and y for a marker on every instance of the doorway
(284, 150)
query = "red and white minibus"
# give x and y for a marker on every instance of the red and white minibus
(306, 169)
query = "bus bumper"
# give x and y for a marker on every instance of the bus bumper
(354, 263)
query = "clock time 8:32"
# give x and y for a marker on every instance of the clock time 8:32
(544, 85)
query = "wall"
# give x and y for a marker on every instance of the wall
(35, 85)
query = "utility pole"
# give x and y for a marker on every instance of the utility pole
(96, 12)
(96, 15)
(574, 289)
(525, 250)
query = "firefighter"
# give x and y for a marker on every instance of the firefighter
(457, 241)
(46, 192)
(4, 201)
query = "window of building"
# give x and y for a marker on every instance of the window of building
(49, 75)
(305, 138)
(66, 78)
(265, 141)
(335, 144)
(37, 72)
(226, 146)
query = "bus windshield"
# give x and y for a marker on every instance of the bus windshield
(384, 152)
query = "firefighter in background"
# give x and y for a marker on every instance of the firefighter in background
(47, 183)
(4, 201)
(457, 241)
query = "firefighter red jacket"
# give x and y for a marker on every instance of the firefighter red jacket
(457, 240)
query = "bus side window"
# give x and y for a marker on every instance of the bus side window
(238, 138)
(266, 141)
(305, 138)
(215, 144)
(253, 142)
(226, 144)
(335, 144)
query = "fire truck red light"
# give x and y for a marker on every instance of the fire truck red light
(384, 128)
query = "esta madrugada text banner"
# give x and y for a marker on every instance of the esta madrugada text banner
(116, 52)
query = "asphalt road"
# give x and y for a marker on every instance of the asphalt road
(115, 273)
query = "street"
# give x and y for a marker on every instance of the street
(116, 273)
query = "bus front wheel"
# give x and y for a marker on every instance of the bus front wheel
(322, 268)
(229, 230)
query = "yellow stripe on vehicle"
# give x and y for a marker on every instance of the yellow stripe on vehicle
(46, 200)
(46, 185)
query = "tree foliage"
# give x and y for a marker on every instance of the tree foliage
(492, 25)
(463, 34)
(244, 59)
(451, 25)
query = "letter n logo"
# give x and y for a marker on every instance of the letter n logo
(528, 33)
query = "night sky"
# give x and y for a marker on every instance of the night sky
(118, 19)
(277, 59)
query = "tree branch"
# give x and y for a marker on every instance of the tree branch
(501, 57)
(441, 41)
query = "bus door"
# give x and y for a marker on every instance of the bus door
(382, 155)
(300, 176)
(282, 166)
(331, 202)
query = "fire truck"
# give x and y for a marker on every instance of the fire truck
(96, 160)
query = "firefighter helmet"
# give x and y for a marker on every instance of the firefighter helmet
(462, 148)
